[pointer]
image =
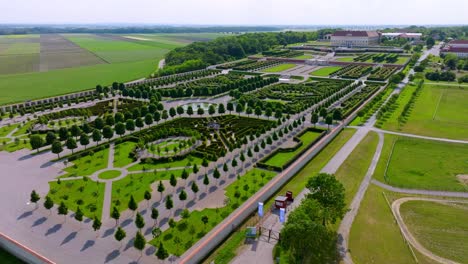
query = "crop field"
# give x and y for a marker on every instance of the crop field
(423, 164)
(325, 71)
(60, 64)
(439, 111)
(114, 50)
(440, 227)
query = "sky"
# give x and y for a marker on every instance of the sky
(236, 12)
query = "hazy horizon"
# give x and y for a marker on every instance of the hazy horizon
(237, 13)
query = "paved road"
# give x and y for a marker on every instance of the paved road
(407, 234)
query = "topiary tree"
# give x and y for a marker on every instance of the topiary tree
(147, 197)
(48, 203)
(162, 253)
(161, 188)
(97, 225)
(120, 235)
(79, 215)
(139, 221)
(154, 215)
(132, 205)
(115, 215)
(139, 242)
(34, 198)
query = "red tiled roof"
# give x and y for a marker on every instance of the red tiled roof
(459, 42)
(350, 33)
(453, 49)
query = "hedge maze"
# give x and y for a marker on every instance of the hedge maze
(353, 71)
(381, 73)
(293, 98)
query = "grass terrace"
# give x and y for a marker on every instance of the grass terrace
(325, 71)
(280, 68)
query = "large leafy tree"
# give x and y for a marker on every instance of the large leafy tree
(330, 194)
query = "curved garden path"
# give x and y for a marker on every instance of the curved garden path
(420, 192)
(407, 234)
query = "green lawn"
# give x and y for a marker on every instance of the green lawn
(190, 230)
(227, 251)
(188, 161)
(23, 129)
(439, 111)
(374, 236)
(304, 57)
(89, 195)
(440, 228)
(136, 185)
(345, 59)
(110, 174)
(87, 165)
(4, 131)
(425, 164)
(281, 158)
(122, 152)
(280, 68)
(325, 71)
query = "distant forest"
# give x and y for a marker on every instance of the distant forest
(24, 29)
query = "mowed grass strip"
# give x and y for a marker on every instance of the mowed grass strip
(354, 168)
(281, 158)
(325, 71)
(280, 68)
(439, 111)
(391, 123)
(375, 236)
(426, 164)
(440, 228)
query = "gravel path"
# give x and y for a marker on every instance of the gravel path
(407, 234)
(448, 140)
(347, 221)
(420, 192)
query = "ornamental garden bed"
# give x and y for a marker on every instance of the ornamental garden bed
(281, 158)
(354, 71)
(353, 102)
(381, 73)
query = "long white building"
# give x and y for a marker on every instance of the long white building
(344, 38)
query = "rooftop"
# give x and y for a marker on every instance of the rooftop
(350, 33)
(459, 41)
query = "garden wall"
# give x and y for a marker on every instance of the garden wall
(22, 252)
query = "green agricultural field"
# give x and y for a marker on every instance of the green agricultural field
(88, 195)
(17, 87)
(281, 158)
(116, 51)
(345, 59)
(85, 166)
(374, 225)
(192, 229)
(439, 111)
(128, 59)
(440, 228)
(137, 184)
(227, 251)
(122, 152)
(325, 71)
(280, 68)
(425, 164)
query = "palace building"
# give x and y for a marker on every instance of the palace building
(345, 38)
